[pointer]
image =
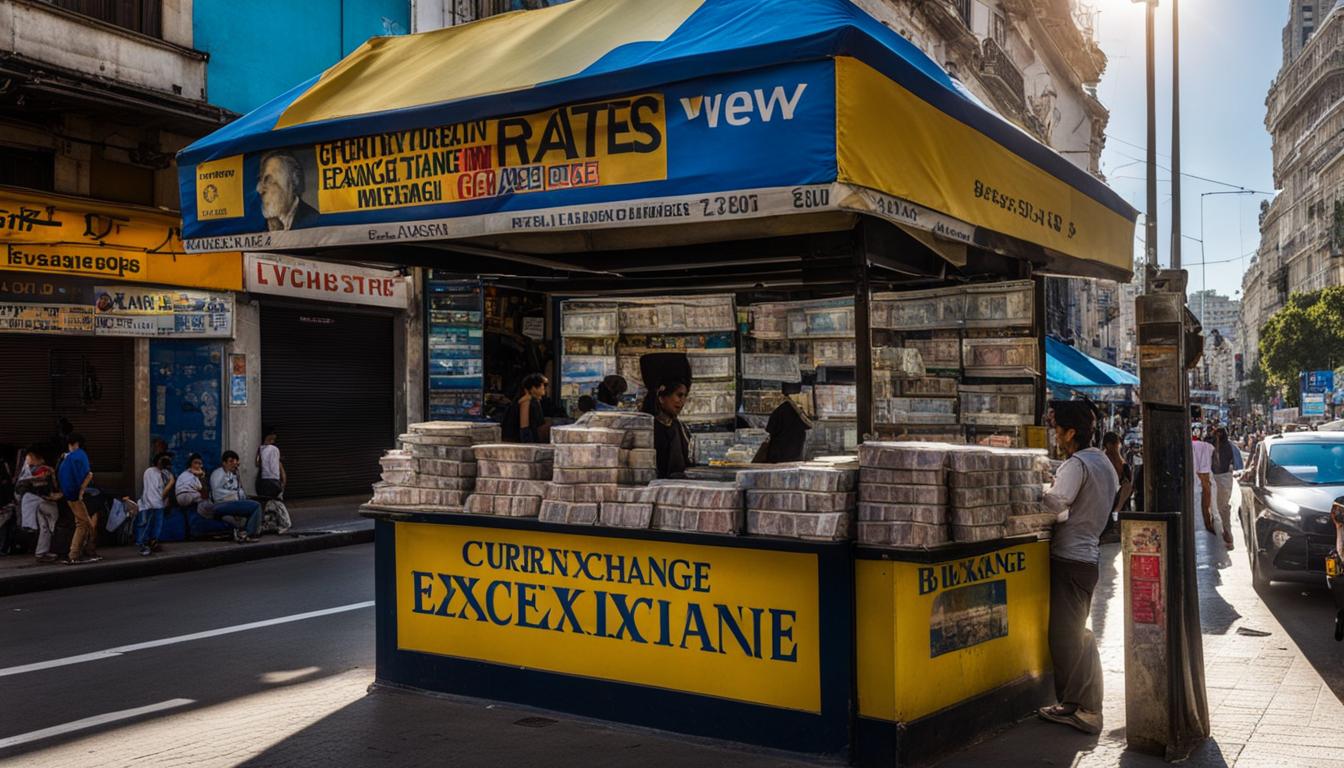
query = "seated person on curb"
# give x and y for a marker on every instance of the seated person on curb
(230, 501)
(154, 501)
(37, 494)
(191, 487)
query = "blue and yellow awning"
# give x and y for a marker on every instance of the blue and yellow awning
(626, 113)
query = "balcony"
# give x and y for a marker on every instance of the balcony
(57, 58)
(473, 10)
(1002, 76)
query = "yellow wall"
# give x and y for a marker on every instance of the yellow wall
(76, 237)
(899, 678)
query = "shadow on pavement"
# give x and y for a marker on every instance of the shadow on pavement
(1307, 614)
(391, 727)
(1216, 614)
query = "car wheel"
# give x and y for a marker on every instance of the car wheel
(1258, 578)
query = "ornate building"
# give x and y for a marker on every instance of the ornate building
(1302, 229)
(1038, 64)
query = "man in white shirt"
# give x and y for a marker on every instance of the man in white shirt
(1203, 465)
(1081, 497)
(231, 502)
(158, 489)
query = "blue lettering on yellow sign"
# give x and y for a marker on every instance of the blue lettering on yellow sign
(712, 628)
(970, 571)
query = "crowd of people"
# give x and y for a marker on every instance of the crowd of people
(52, 486)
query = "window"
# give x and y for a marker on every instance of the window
(999, 29)
(143, 16)
(35, 169)
(964, 10)
(121, 182)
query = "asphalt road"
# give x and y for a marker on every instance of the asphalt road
(89, 661)
(266, 663)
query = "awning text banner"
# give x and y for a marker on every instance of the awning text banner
(715, 110)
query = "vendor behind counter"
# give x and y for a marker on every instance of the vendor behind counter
(667, 375)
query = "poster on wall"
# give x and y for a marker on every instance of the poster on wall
(237, 380)
(134, 311)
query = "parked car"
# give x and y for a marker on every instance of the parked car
(1285, 510)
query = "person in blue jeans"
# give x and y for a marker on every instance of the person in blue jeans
(231, 502)
(154, 499)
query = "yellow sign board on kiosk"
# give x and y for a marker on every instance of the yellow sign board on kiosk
(934, 634)
(731, 622)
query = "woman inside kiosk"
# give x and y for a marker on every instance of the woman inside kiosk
(667, 376)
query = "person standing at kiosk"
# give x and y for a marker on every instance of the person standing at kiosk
(667, 376)
(787, 429)
(1082, 496)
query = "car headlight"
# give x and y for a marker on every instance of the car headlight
(1283, 510)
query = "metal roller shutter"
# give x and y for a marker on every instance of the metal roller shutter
(327, 385)
(88, 381)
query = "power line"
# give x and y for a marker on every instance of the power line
(1196, 176)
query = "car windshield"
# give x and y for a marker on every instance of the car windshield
(1305, 464)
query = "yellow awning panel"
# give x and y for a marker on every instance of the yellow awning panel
(505, 53)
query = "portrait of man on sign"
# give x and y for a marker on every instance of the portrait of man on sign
(280, 185)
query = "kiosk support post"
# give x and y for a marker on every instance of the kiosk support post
(1165, 704)
(863, 345)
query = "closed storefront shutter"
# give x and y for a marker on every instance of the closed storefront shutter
(85, 380)
(327, 385)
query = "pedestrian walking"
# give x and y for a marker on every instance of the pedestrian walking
(1081, 496)
(1226, 460)
(1202, 453)
(271, 470)
(153, 504)
(74, 475)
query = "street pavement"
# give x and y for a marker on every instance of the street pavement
(1274, 676)
(268, 663)
(265, 663)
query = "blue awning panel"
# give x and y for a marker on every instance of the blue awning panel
(1067, 367)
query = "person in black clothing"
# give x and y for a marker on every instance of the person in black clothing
(523, 420)
(787, 430)
(609, 393)
(1225, 461)
(667, 375)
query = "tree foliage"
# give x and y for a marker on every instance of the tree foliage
(1306, 335)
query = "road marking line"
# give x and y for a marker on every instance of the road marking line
(92, 722)
(119, 650)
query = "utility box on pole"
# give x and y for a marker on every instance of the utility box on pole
(1165, 703)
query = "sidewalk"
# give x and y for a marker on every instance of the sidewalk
(1274, 676)
(317, 524)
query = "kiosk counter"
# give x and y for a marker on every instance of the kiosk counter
(950, 642)
(881, 656)
(741, 638)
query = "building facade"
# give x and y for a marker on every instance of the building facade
(1216, 312)
(1302, 229)
(106, 322)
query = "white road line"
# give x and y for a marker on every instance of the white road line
(119, 650)
(92, 722)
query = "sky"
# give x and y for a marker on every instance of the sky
(1230, 51)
